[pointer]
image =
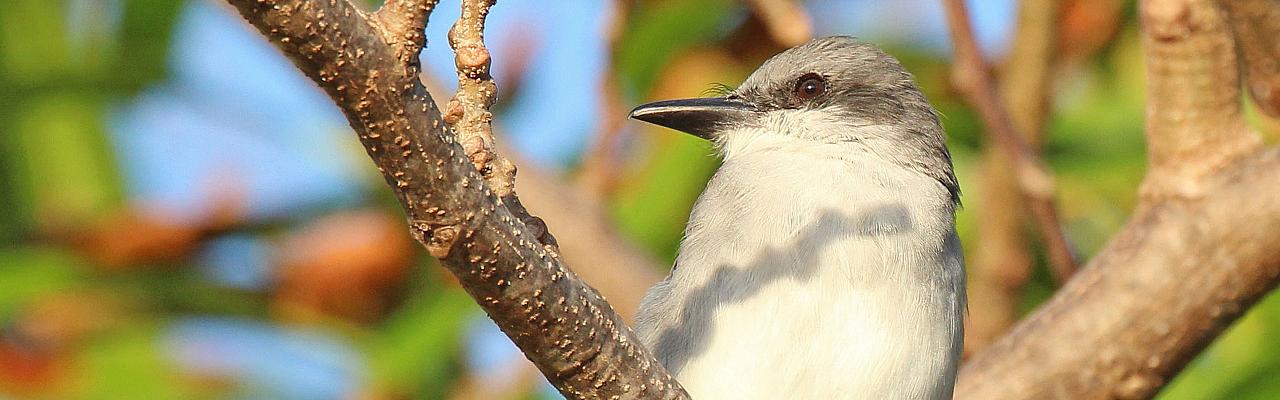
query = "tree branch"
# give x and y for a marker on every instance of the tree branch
(1256, 25)
(1194, 122)
(1199, 250)
(563, 326)
(786, 22)
(599, 254)
(1002, 261)
(469, 116)
(972, 76)
(600, 163)
(1177, 275)
(402, 23)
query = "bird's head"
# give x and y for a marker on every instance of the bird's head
(835, 92)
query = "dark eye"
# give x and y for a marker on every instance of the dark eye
(810, 86)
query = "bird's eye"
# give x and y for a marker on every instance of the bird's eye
(809, 86)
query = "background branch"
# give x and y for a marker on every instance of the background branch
(786, 21)
(1001, 260)
(601, 161)
(972, 76)
(1197, 252)
(1194, 116)
(578, 342)
(1256, 25)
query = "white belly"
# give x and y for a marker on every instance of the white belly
(843, 290)
(789, 344)
(824, 335)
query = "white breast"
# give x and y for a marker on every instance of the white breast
(806, 274)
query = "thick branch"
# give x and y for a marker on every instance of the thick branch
(1256, 24)
(1190, 260)
(972, 76)
(402, 23)
(563, 326)
(599, 254)
(1178, 274)
(1194, 123)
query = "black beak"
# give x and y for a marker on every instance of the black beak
(702, 117)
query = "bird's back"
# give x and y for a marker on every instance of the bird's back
(811, 276)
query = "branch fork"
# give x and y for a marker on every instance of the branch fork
(472, 221)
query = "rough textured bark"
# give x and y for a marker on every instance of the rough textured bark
(472, 123)
(1002, 260)
(369, 67)
(599, 254)
(1199, 250)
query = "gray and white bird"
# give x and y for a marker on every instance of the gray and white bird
(821, 261)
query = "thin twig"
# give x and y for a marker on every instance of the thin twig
(972, 76)
(1001, 257)
(469, 116)
(601, 163)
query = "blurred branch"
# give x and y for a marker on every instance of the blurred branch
(972, 76)
(785, 20)
(1002, 259)
(562, 325)
(1256, 25)
(519, 379)
(1189, 50)
(600, 164)
(1199, 250)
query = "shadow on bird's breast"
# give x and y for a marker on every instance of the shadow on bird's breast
(733, 283)
(884, 219)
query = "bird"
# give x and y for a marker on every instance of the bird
(821, 260)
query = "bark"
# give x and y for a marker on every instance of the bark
(599, 254)
(472, 123)
(1199, 250)
(1178, 274)
(369, 66)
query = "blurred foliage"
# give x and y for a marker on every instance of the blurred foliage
(88, 308)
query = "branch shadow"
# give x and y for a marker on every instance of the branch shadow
(695, 325)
